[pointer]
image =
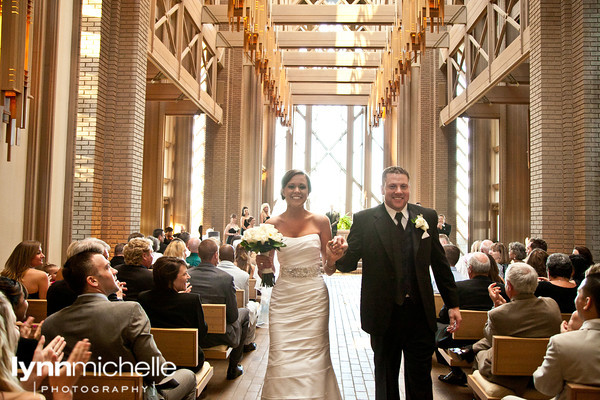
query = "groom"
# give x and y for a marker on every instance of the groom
(398, 242)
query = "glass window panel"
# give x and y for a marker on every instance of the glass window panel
(376, 162)
(197, 173)
(328, 187)
(357, 198)
(299, 140)
(279, 162)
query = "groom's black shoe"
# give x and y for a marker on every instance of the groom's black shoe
(249, 347)
(454, 378)
(234, 373)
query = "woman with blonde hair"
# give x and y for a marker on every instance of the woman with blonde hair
(21, 266)
(176, 249)
(265, 212)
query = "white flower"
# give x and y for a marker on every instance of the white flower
(262, 238)
(421, 223)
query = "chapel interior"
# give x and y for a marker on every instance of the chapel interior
(121, 116)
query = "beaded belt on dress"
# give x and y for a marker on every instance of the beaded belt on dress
(301, 271)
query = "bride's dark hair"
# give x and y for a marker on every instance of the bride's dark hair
(288, 177)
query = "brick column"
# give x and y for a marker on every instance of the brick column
(110, 126)
(565, 129)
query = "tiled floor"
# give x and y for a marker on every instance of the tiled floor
(351, 354)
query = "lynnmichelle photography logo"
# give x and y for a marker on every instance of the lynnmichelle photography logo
(155, 368)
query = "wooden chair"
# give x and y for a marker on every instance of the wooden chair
(576, 391)
(565, 316)
(180, 346)
(126, 386)
(37, 309)
(437, 298)
(471, 328)
(252, 291)
(215, 316)
(239, 298)
(511, 356)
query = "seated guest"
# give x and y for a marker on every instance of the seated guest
(118, 259)
(241, 280)
(176, 249)
(60, 294)
(472, 295)
(193, 259)
(500, 254)
(516, 252)
(135, 272)
(52, 271)
(124, 336)
(537, 259)
(525, 316)
(16, 294)
(452, 255)
(216, 287)
(155, 247)
(574, 357)
(21, 266)
(494, 273)
(559, 286)
(585, 253)
(536, 243)
(580, 265)
(160, 235)
(168, 235)
(168, 305)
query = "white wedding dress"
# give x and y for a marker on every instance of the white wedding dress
(299, 360)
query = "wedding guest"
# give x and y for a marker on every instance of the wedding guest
(193, 259)
(176, 249)
(585, 253)
(580, 265)
(11, 388)
(135, 272)
(452, 255)
(494, 273)
(444, 239)
(442, 226)
(118, 258)
(537, 259)
(536, 243)
(500, 254)
(265, 212)
(159, 233)
(169, 304)
(486, 246)
(168, 235)
(21, 266)
(52, 271)
(559, 285)
(244, 223)
(232, 229)
(516, 252)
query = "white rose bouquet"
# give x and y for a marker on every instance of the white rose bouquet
(263, 239)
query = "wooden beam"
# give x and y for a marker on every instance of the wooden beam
(484, 111)
(300, 14)
(331, 75)
(330, 100)
(319, 89)
(369, 59)
(508, 95)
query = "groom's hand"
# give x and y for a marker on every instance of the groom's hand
(455, 319)
(337, 246)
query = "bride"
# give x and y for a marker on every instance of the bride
(299, 364)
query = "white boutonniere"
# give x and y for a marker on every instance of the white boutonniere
(420, 222)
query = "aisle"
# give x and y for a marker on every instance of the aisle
(351, 354)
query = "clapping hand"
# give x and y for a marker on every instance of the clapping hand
(78, 358)
(494, 292)
(52, 353)
(122, 289)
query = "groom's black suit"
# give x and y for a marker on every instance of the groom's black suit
(395, 263)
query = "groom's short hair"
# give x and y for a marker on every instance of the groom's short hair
(393, 170)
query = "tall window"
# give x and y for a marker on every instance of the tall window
(197, 173)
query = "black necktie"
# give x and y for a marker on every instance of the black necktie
(399, 217)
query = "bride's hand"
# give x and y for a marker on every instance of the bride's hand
(263, 262)
(337, 247)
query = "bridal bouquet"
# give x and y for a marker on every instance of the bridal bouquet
(263, 239)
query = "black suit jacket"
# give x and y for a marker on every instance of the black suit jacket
(216, 287)
(138, 279)
(473, 295)
(446, 229)
(370, 239)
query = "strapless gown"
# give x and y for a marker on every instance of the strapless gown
(299, 360)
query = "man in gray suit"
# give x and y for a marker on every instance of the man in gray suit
(119, 332)
(217, 287)
(525, 316)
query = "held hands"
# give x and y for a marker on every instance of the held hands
(494, 292)
(336, 248)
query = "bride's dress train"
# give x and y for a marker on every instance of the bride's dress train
(299, 360)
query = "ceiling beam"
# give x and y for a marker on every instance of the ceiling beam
(369, 59)
(330, 100)
(297, 14)
(331, 75)
(320, 89)
(508, 95)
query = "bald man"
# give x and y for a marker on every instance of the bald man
(194, 259)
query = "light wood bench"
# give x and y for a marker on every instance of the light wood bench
(215, 316)
(239, 298)
(471, 328)
(37, 309)
(180, 346)
(252, 291)
(126, 386)
(576, 391)
(511, 356)
(565, 316)
(437, 298)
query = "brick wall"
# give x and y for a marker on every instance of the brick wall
(564, 123)
(110, 130)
